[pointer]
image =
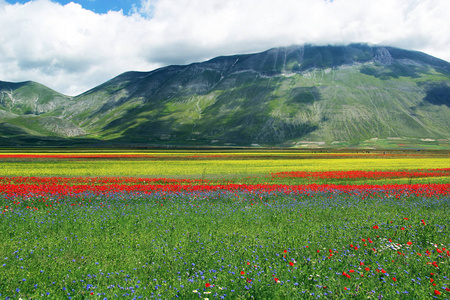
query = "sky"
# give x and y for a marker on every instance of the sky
(73, 46)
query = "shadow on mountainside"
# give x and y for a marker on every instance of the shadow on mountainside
(10, 130)
(393, 71)
(438, 94)
(7, 86)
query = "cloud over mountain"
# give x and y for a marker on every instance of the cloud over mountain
(72, 49)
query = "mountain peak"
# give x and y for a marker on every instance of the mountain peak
(286, 96)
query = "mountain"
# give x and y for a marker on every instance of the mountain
(298, 96)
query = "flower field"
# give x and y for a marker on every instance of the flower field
(284, 231)
(207, 165)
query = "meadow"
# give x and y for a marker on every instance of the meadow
(224, 225)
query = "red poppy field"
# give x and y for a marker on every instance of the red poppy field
(295, 234)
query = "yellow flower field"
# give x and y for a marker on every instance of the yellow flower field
(203, 167)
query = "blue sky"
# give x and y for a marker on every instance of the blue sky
(98, 6)
(75, 46)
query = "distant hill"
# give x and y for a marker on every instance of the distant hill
(299, 96)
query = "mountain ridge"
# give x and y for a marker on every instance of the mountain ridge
(297, 96)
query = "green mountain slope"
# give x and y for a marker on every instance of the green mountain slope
(32, 112)
(297, 96)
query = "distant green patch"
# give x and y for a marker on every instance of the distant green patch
(306, 95)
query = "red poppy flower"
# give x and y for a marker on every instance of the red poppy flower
(395, 279)
(242, 273)
(436, 292)
(346, 275)
(409, 243)
(207, 285)
(285, 251)
(291, 263)
(367, 269)
(403, 228)
(376, 227)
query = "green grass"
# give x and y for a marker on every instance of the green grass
(168, 246)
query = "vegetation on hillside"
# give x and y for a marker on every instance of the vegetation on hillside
(298, 96)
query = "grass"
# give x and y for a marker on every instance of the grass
(227, 243)
(167, 245)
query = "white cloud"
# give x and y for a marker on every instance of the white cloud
(67, 47)
(72, 49)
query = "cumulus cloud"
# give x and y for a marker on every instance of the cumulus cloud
(72, 49)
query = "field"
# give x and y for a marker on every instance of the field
(224, 225)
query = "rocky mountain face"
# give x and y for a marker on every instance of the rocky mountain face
(299, 96)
